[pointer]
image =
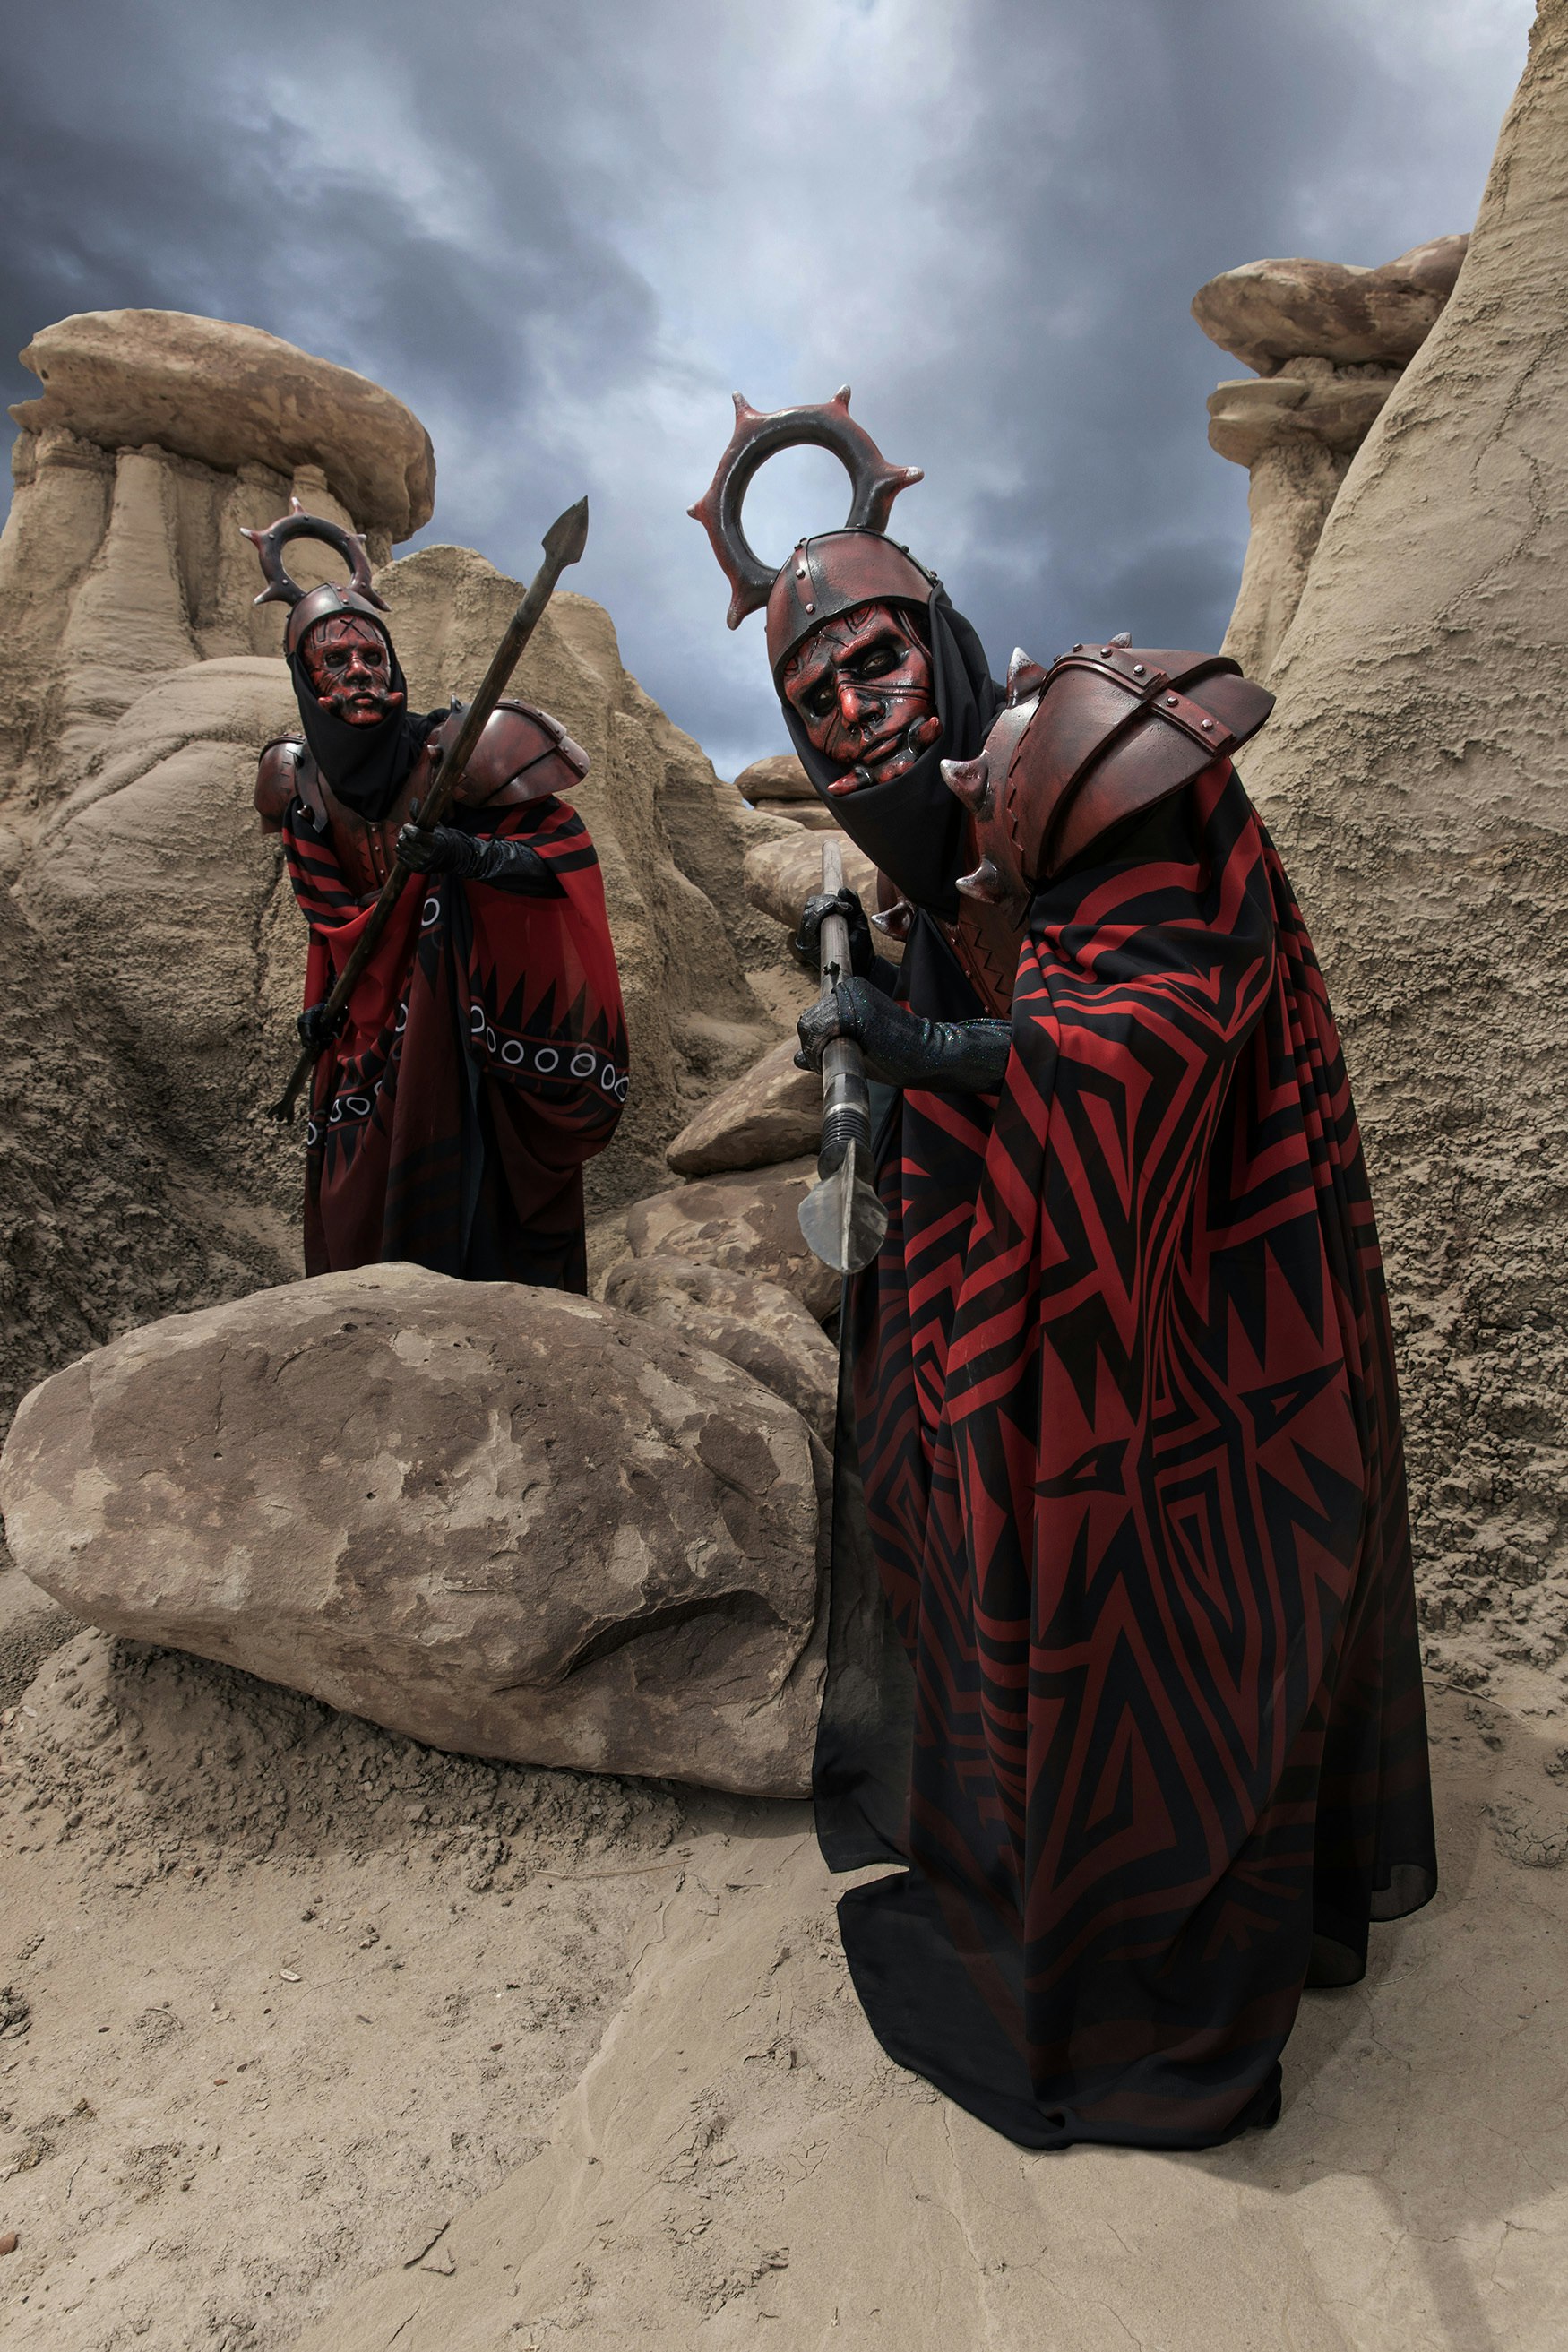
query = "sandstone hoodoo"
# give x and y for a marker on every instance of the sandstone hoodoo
(1330, 343)
(1412, 770)
(228, 396)
(780, 785)
(509, 1522)
(779, 779)
(1267, 312)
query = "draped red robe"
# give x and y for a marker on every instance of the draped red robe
(1127, 1431)
(483, 1062)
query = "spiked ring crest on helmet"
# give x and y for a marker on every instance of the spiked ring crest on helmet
(760, 435)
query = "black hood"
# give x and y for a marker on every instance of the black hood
(365, 766)
(913, 827)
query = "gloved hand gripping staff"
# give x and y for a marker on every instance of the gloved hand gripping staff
(841, 1217)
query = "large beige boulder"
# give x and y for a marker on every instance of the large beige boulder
(230, 396)
(505, 1521)
(1415, 771)
(779, 875)
(1267, 312)
(779, 778)
(768, 1331)
(781, 786)
(749, 1224)
(771, 1112)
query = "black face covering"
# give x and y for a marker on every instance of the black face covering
(912, 827)
(365, 766)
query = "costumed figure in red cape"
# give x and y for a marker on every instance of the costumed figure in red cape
(483, 1058)
(1119, 1458)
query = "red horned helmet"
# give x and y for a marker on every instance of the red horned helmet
(314, 604)
(838, 571)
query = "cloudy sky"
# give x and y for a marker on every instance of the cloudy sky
(565, 230)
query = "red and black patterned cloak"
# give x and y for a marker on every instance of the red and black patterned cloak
(483, 1062)
(1151, 1738)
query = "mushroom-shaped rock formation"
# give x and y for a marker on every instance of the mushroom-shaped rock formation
(503, 1520)
(228, 396)
(1330, 341)
(1268, 312)
(779, 777)
(1413, 772)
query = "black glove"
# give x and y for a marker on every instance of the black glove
(508, 865)
(806, 945)
(965, 1058)
(315, 1030)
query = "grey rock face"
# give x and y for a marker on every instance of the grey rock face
(764, 1328)
(505, 1521)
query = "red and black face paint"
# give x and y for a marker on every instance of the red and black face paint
(349, 664)
(863, 689)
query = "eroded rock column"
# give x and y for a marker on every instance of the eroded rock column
(1330, 342)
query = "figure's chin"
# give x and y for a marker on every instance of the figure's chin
(885, 772)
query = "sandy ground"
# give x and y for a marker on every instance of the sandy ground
(283, 1993)
(313, 2037)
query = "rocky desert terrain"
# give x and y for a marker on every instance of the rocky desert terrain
(424, 1944)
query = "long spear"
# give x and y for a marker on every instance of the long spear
(844, 1222)
(563, 543)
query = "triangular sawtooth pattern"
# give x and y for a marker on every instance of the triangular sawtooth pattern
(1129, 1438)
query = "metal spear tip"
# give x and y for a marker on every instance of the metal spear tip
(568, 536)
(842, 1219)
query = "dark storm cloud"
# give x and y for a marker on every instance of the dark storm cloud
(562, 234)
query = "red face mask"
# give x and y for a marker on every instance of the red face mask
(347, 662)
(861, 685)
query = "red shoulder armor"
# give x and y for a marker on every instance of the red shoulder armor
(1105, 733)
(523, 755)
(277, 780)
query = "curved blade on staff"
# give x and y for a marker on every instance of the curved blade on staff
(842, 1220)
(563, 543)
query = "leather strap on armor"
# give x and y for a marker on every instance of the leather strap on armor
(523, 755)
(1106, 734)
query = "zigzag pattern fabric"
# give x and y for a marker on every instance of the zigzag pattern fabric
(483, 1062)
(1128, 1433)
